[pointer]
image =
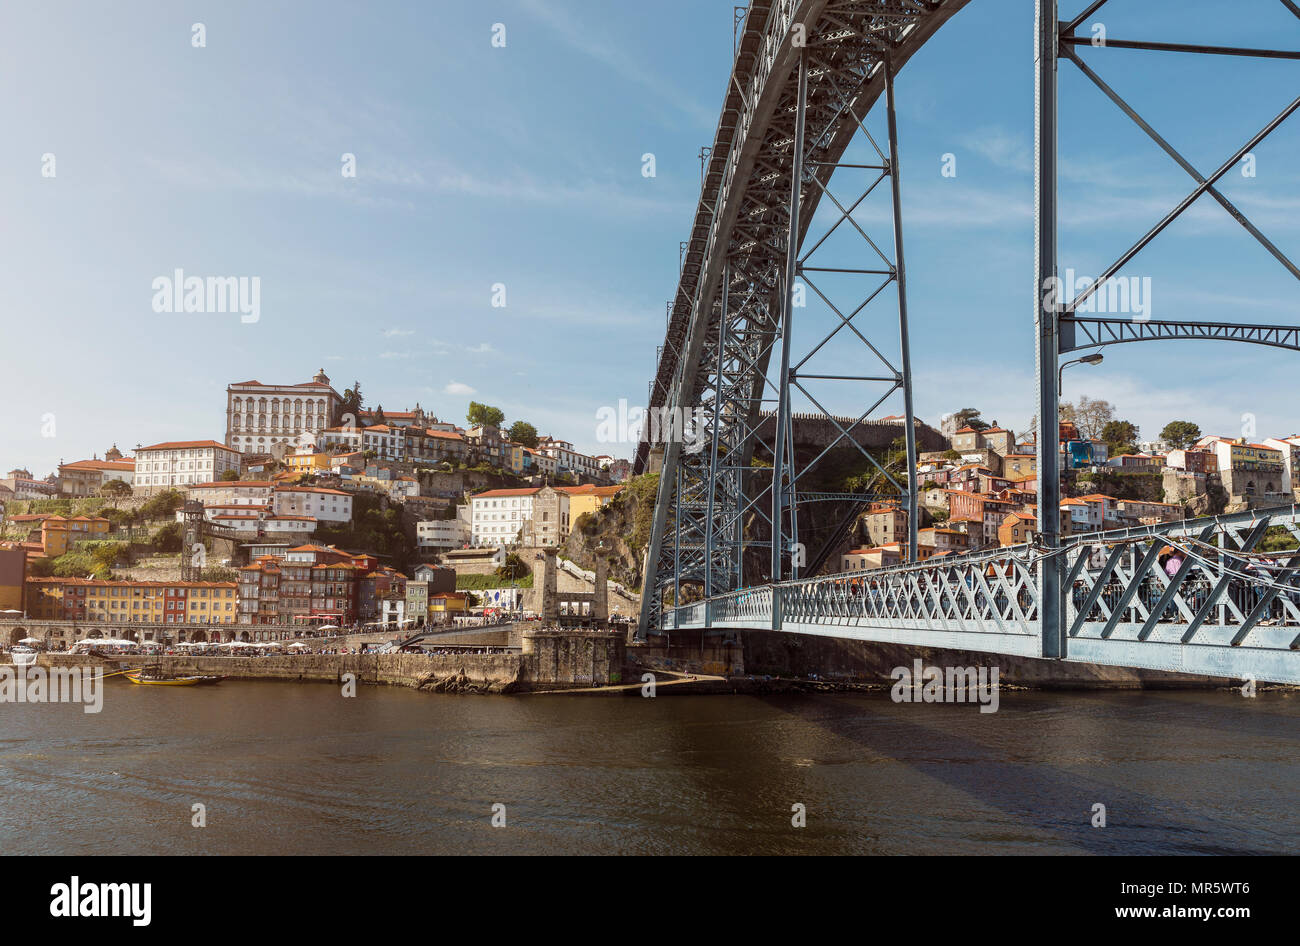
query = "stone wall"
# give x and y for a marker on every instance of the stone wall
(563, 658)
(777, 653)
(550, 660)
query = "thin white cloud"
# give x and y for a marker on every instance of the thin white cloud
(615, 55)
(455, 387)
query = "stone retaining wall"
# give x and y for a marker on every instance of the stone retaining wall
(562, 660)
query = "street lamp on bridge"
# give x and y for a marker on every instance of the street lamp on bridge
(1094, 359)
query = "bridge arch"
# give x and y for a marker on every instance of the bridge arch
(781, 136)
(16, 634)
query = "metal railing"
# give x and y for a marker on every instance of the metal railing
(1192, 596)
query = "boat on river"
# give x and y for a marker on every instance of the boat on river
(155, 676)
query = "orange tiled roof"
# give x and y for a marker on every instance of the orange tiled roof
(186, 445)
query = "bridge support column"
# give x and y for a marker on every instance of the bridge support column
(1046, 328)
(906, 347)
(781, 440)
(710, 530)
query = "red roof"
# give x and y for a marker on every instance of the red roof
(186, 445)
(111, 465)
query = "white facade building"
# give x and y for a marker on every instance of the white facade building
(181, 463)
(260, 415)
(1289, 447)
(324, 505)
(500, 517)
(568, 460)
(442, 533)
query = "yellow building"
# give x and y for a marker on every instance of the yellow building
(211, 603)
(584, 499)
(447, 603)
(60, 533)
(307, 462)
(514, 457)
(13, 571)
(119, 602)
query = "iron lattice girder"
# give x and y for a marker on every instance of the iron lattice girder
(1226, 611)
(748, 169)
(1094, 332)
(1067, 41)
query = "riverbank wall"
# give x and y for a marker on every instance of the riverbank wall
(839, 660)
(549, 660)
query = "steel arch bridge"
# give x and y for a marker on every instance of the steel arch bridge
(779, 205)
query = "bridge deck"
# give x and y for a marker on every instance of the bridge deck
(1220, 608)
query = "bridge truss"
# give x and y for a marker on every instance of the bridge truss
(807, 73)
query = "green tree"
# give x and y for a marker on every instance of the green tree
(352, 401)
(79, 564)
(513, 568)
(969, 417)
(162, 505)
(523, 432)
(1180, 434)
(1120, 437)
(168, 538)
(379, 415)
(228, 476)
(484, 415)
(117, 489)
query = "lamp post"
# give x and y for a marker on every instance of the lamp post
(1094, 359)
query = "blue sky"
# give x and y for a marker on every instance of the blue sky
(522, 165)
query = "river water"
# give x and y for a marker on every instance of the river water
(285, 768)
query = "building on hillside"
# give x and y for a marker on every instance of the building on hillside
(1202, 462)
(308, 585)
(1019, 465)
(103, 601)
(23, 485)
(620, 470)
(1137, 463)
(376, 585)
(13, 574)
(308, 460)
(387, 443)
(323, 505)
(435, 445)
(178, 464)
(865, 559)
(587, 498)
(935, 540)
(884, 524)
(1145, 513)
(406, 419)
(437, 577)
(532, 516)
(442, 533)
(258, 416)
(535, 461)
(232, 493)
(1289, 449)
(996, 439)
(1017, 528)
(981, 514)
(1248, 471)
(52, 535)
(549, 523)
(88, 477)
(567, 459)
